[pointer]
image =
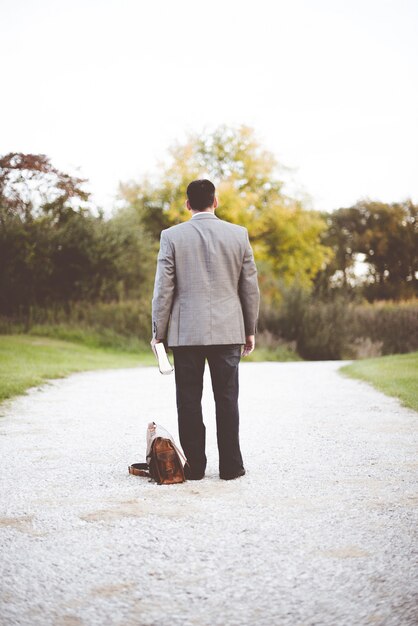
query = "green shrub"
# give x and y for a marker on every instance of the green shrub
(312, 329)
(324, 330)
(125, 324)
(272, 348)
(341, 328)
(392, 324)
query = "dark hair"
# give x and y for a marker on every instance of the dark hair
(201, 194)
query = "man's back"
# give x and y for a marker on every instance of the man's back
(207, 281)
(205, 306)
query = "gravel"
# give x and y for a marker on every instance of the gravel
(321, 531)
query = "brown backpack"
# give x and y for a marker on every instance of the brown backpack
(164, 464)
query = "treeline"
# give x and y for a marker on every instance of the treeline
(62, 262)
(385, 238)
(341, 327)
(56, 249)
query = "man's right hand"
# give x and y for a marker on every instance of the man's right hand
(249, 345)
(153, 342)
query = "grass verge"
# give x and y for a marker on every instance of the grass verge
(395, 375)
(281, 353)
(27, 360)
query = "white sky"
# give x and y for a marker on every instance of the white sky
(330, 87)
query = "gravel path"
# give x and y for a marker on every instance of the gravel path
(321, 531)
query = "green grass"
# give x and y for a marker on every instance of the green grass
(280, 353)
(48, 351)
(395, 375)
(27, 360)
(108, 338)
(93, 338)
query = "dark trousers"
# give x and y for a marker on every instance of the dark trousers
(189, 366)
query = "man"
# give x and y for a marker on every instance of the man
(205, 306)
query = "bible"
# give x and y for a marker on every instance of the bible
(164, 364)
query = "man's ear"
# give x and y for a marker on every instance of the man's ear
(188, 207)
(215, 203)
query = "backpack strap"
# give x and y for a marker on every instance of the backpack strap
(139, 469)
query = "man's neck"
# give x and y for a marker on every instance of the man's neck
(209, 210)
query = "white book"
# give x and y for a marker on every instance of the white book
(164, 364)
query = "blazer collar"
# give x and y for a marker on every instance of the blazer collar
(199, 216)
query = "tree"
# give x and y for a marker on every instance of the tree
(52, 248)
(389, 243)
(285, 236)
(55, 250)
(386, 237)
(30, 185)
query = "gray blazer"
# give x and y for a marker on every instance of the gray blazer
(206, 289)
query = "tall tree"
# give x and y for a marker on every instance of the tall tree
(30, 185)
(386, 237)
(53, 249)
(284, 235)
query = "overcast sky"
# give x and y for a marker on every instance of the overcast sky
(330, 87)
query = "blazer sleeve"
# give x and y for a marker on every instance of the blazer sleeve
(164, 286)
(248, 290)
